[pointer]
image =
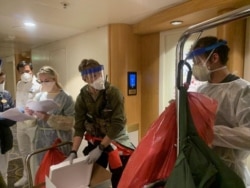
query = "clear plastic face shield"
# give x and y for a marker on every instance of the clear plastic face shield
(94, 77)
(200, 69)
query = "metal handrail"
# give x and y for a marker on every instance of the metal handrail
(28, 158)
(198, 28)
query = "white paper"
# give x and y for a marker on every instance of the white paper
(75, 175)
(49, 184)
(15, 115)
(42, 106)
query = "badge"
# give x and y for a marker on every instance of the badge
(3, 101)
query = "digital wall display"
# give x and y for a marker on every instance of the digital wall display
(132, 83)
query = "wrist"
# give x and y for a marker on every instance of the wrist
(101, 147)
(73, 151)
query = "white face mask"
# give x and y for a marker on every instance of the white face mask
(98, 84)
(26, 77)
(2, 87)
(201, 72)
(47, 86)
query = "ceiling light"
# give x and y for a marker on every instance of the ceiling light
(176, 22)
(29, 24)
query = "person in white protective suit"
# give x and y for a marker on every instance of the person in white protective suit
(27, 87)
(232, 123)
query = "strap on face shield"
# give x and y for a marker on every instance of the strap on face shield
(200, 51)
(92, 70)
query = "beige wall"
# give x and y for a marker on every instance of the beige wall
(66, 55)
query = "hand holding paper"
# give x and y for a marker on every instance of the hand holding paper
(15, 115)
(42, 106)
(42, 115)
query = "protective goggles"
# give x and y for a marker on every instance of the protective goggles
(201, 51)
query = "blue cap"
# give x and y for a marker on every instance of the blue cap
(200, 51)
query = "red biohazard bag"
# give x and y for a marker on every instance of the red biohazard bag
(155, 155)
(203, 110)
(52, 156)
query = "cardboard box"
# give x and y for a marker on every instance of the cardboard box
(80, 174)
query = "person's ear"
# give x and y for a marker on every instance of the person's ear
(215, 58)
(84, 78)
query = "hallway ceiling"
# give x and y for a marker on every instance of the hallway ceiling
(59, 19)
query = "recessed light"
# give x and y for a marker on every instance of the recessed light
(176, 22)
(29, 24)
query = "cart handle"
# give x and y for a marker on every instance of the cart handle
(27, 159)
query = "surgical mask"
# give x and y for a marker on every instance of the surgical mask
(2, 87)
(26, 77)
(201, 72)
(98, 84)
(47, 86)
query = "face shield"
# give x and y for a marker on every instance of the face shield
(200, 51)
(94, 77)
(200, 69)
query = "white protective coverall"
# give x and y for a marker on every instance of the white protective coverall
(26, 129)
(232, 124)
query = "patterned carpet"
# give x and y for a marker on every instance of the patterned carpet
(15, 168)
(15, 171)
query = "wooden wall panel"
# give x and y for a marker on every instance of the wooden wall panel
(149, 50)
(235, 34)
(190, 12)
(124, 57)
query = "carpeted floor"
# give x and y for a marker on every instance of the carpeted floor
(15, 168)
(15, 171)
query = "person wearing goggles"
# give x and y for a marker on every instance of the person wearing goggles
(232, 123)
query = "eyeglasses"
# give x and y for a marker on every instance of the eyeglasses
(45, 81)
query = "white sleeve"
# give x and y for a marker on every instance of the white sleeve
(236, 138)
(236, 109)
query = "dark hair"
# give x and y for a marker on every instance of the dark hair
(2, 73)
(222, 50)
(22, 64)
(87, 63)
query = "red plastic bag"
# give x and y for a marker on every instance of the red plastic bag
(51, 157)
(155, 155)
(203, 110)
